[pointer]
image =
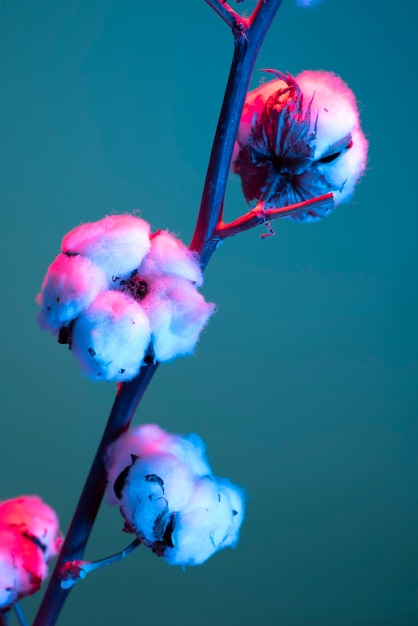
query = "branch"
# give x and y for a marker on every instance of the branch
(259, 215)
(245, 54)
(73, 571)
(125, 404)
(222, 8)
(248, 37)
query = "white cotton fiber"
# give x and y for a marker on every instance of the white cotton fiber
(22, 566)
(156, 485)
(29, 538)
(169, 255)
(70, 285)
(338, 125)
(118, 243)
(177, 314)
(201, 526)
(149, 440)
(110, 338)
(169, 497)
(32, 517)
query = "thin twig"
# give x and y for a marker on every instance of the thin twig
(260, 215)
(20, 616)
(73, 571)
(231, 17)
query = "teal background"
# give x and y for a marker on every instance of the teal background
(304, 385)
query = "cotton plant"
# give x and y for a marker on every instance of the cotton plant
(125, 299)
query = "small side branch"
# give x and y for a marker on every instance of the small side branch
(260, 215)
(231, 17)
(73, 571)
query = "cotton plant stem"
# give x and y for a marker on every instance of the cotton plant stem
(260, 215)
(248, 41)
(126, 401)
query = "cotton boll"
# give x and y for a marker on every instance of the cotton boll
(201, 528)
(169, 255)
(180, 513)
(110, 338)
(298, 139)
(70, 285)
(22, 566)
(118, 243)
(31, 517)
(178, 314)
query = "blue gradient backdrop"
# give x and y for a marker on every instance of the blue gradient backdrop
(304, 385)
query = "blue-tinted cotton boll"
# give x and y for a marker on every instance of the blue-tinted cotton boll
(117, 243)
(298, 139)
(178, 314)
(169, 256)
(70, 285)
(169, 497)
(110, 338)
(203, 526)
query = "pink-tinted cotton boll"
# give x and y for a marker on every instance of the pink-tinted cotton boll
(70, 285)
(178, 314)
(22, 566)
(169, 497)
(298, 139)
(118, 243)
(169, 255)
(201, 528)
(34, 519)
(110, 338)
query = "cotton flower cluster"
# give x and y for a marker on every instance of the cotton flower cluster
(29, 539)
(300, 138)
(169, 497)
(115, 287)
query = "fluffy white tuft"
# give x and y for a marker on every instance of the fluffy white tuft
(334, 107)
(177, 313)
(169, 255)
(169, 497)
(110, 338)
(118, 243)
(70, 285)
